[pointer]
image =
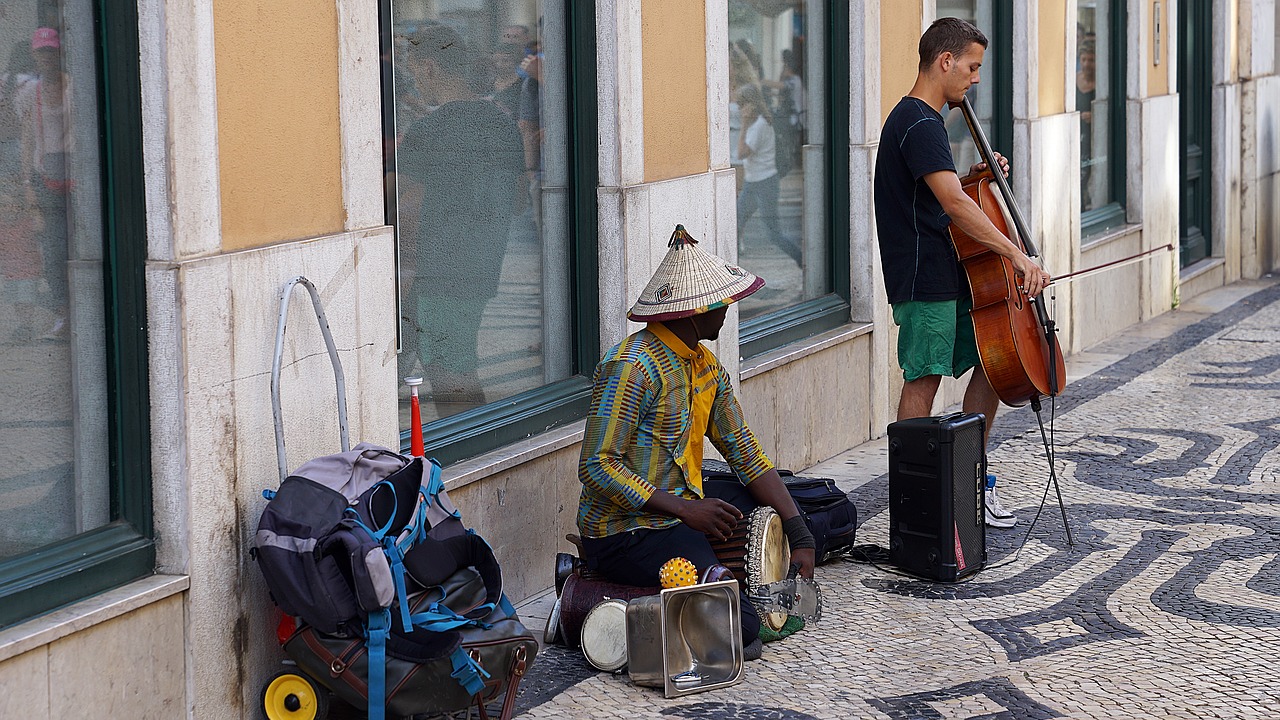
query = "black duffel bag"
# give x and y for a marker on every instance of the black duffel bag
(419, 674)
(827, 510)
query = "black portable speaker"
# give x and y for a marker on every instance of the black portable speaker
(937, 472)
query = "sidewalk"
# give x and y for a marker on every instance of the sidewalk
(1167, 606)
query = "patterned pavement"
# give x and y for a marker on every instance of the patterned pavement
(1168, 605)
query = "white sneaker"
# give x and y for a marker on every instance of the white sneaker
(994, 506)
(998, 522)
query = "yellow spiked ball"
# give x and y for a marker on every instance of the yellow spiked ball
(678, 572)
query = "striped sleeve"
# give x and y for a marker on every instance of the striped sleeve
(729, 433)
(622, 392)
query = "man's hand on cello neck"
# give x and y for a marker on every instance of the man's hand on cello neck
(977, 168)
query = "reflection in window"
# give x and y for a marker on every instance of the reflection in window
(53, 402)
(481, 188)
(776, 145)
(1095, 32)
(963, 149)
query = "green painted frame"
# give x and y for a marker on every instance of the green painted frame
(123, 550)
(1112, 215)
(515, 418)
(768, 332)
(1195, 110)
(1002, 76)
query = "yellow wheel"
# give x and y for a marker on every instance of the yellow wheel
(290, 696)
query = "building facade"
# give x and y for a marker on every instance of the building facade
(479, 189)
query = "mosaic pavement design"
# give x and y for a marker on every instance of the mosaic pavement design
(1167, 606)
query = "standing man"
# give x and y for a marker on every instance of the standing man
(917, 196)
(657, 395)
(460, 170)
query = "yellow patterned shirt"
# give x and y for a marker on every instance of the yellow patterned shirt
(638, 436)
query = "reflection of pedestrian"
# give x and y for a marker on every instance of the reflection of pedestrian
(529, 120)
(757, 148)
(20, 250)
(1086, 93)
(462, 162)
(20, 72)
(46, 146)
(506, 80)
(741, 74)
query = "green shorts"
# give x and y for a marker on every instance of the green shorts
(935, 338)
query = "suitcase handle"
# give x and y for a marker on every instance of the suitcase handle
(275, 368)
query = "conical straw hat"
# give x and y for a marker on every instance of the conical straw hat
(691, 281)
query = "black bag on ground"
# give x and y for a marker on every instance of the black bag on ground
(420, 672)
(827, 510)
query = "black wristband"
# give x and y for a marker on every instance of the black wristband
(798, 533)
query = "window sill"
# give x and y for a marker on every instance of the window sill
(778, 357)
(1092, 242)
(82, 615)
(474, 469)
(1198, 268)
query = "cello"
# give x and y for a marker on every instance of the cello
(1017, 341)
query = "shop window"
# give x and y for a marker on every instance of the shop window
(788, 142)
(1100, 100)
(992, 99)
(74, 458)
(490, 123)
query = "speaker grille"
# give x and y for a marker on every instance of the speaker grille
(970, 481)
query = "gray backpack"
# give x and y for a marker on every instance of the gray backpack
(350, 535)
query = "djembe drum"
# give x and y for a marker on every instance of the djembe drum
(604, 635)
(757, 553)
(582, 591)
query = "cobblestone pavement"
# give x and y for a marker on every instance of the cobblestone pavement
(1167, 606)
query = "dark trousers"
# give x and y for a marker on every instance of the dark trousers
(634, 558)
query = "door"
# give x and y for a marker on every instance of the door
(1195, 83)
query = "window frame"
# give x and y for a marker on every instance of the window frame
(805, 319)
(123, 550)
(1002, 76)
(479, 430)
(1112, 215)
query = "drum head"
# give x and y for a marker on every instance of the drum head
(604, 635)
(768, 557)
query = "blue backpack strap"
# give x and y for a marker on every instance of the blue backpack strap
(395, 556)
(378, 627)
(505, 605)
(438, 617)
(435, 484)
(466, 671)
(382, 531)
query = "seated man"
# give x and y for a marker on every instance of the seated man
(656, 395)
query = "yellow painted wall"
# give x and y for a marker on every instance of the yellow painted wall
(279, 149)
(899, 51)
(1158, 75)
(1053, 57)
(674, 53)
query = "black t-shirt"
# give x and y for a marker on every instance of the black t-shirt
(468, 157)
(916, 254)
